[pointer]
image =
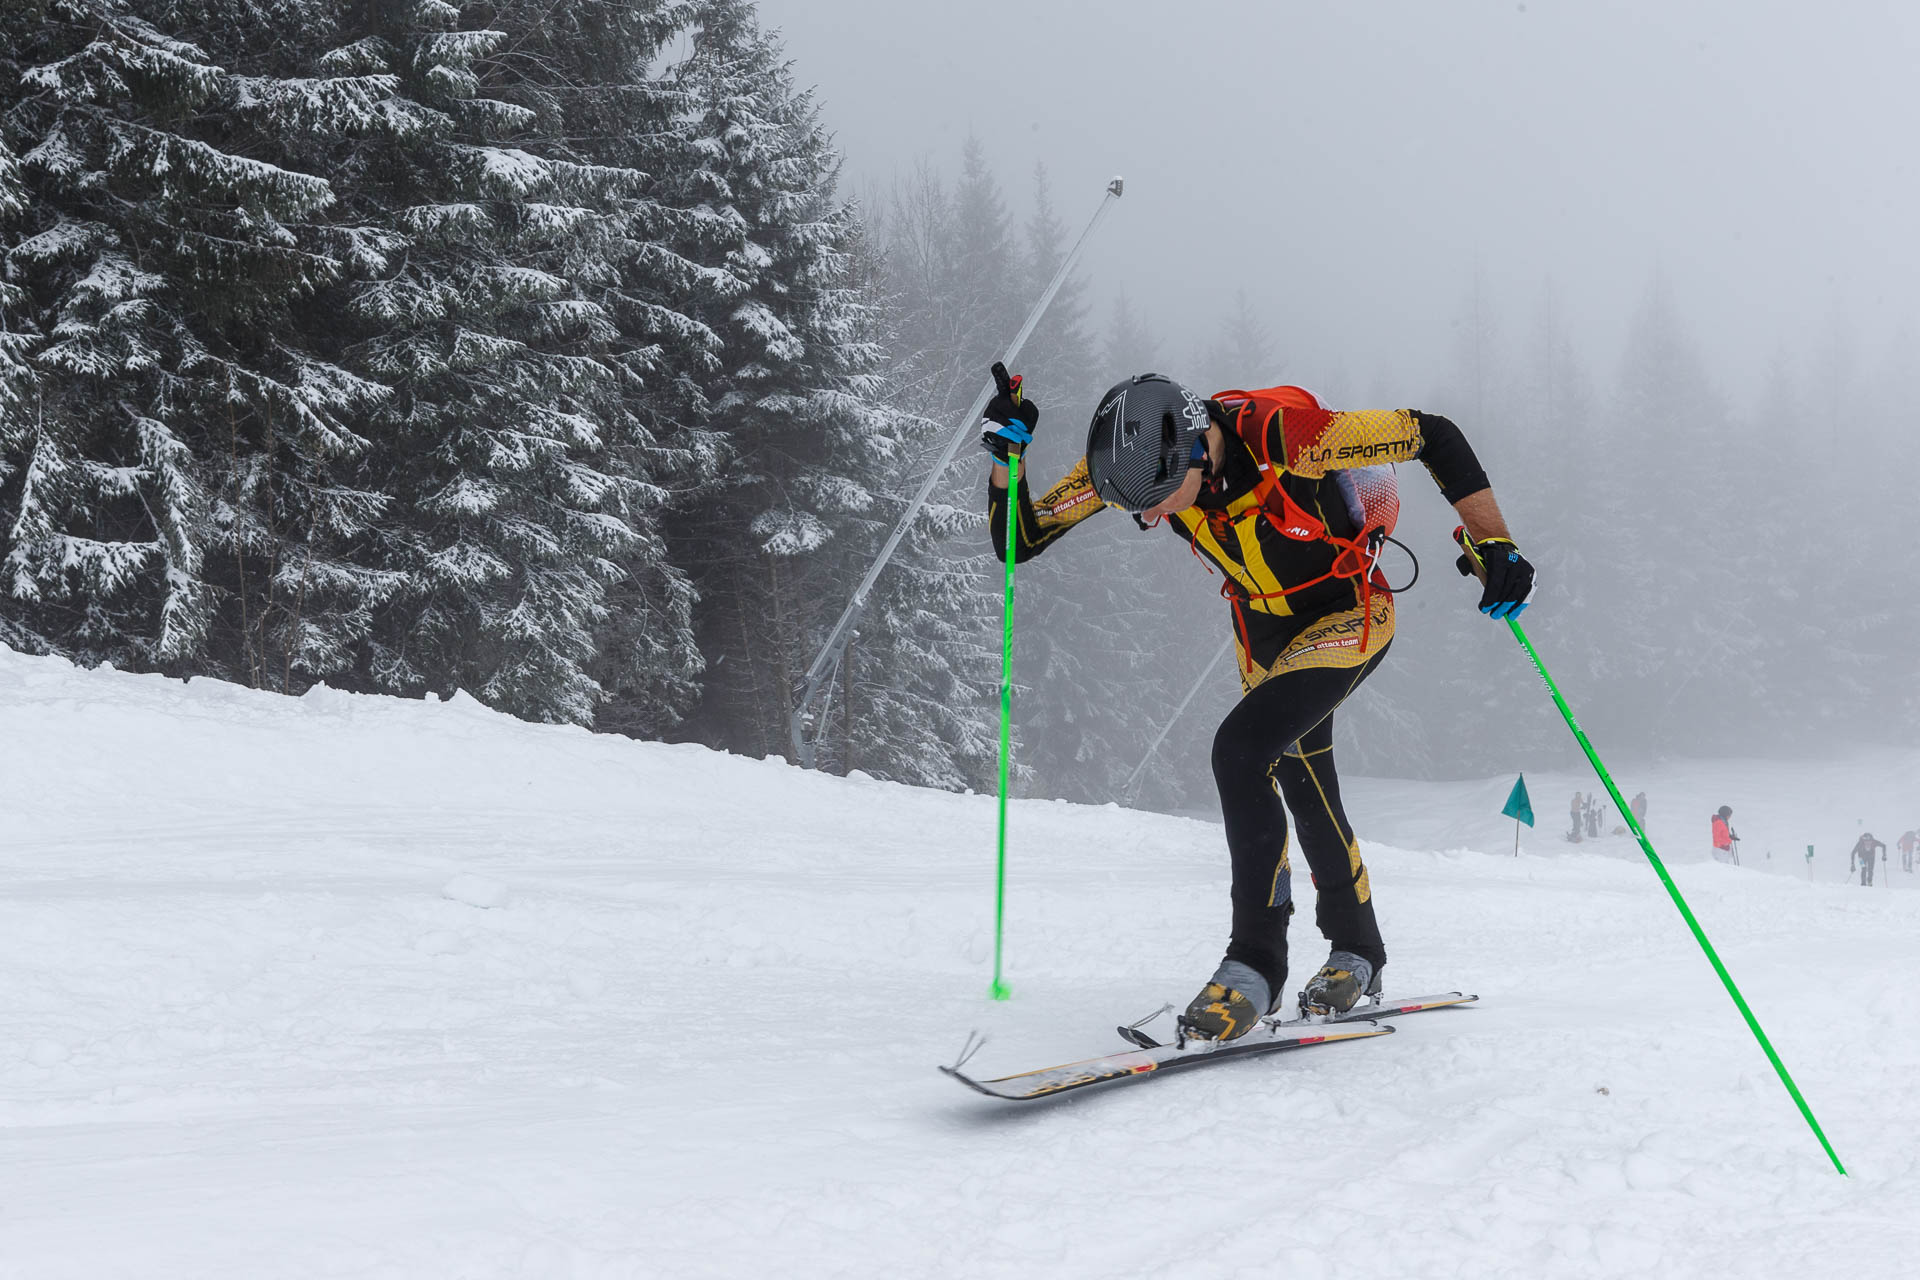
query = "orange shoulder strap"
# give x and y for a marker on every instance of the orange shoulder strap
(1256, 409)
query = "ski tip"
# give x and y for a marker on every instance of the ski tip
(969, 1081)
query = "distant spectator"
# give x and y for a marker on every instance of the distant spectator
(1639, 807)
(1579, 818)
(1907, 842)
(1863, 851)
(1724, 837)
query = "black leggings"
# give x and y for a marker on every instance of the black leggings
(1282, 733)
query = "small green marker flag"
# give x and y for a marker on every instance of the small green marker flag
(1519, 807)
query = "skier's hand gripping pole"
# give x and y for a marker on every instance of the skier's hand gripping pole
(1008, 421)
(1473, 562)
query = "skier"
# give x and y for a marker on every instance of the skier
(1863, 856)
(1638, 805)
(1578, 812)
(1723, 835)
(1260, 486)
(1907, 841)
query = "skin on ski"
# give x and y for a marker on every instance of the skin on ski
(1359, 1013)
(1135, 1064)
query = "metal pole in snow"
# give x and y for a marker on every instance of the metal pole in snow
(821, 672)
(1133, 780)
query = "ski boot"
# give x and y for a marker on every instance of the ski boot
(1230, 1005)
(1339, 985)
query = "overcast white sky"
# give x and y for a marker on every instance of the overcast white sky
(1351, 163)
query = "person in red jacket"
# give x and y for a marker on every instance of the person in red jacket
(1724, 837)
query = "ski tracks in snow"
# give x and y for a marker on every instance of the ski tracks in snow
(344, 986)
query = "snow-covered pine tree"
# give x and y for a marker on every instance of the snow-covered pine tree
(910, 703)
(1541, 454)
(498, 440)
(810, 450)
(1242, 351)
(1670, 617)
(1087, 635)
(1164, 614)
(1449, 666)
(290, 462)
(916, 241)
(592, 76)
(19, 339)
(156, 259)
(959, 277)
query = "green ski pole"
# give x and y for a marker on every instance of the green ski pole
(1659, 867)
(999, 990)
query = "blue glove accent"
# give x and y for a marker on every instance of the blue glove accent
(1506, 578)
(1016, 432)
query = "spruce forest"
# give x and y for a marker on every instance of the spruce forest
(536, 350)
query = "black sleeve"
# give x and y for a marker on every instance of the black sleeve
(997, 521)
(1063, 506)
(1449, 458)
(1031, 540)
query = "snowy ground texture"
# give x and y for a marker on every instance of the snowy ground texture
(357, 987)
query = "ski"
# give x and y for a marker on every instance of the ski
(1135, 1064)
(1134, 1034)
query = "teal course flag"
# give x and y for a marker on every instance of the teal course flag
(1519, 807)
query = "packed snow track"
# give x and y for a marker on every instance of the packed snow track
(352, 986)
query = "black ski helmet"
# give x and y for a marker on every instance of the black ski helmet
(1141, 439)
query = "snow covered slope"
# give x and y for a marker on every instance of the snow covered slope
(347, 986)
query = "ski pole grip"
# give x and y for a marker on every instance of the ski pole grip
(1470, 564)
(1001, 380)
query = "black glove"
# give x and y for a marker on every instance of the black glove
(1010, 417)
(1506, 575)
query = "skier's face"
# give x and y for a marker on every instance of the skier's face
(1182, 498)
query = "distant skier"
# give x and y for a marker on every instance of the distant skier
(1596, 813)
(1638, 806)
(1724, 838)
(1579, 814)
(1906, 842)
(1863, 850)
(1287, 500)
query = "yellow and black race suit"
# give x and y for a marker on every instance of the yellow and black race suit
(1260, 562)
(1302, 652)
